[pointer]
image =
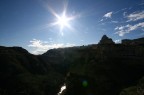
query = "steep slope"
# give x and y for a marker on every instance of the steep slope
(20, 60)
(22, 73)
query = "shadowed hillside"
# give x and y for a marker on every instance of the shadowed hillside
(22, 73)
(100, 69)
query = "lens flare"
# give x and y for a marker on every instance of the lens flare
(84, 83)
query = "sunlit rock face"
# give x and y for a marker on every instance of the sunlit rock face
(106, 40)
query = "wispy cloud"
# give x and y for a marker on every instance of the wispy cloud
(141, 3)
(120, 10)
(122, 30)
(110, 22)
(124, 14)
(40, 47)
(101, 20)
(114, 21)
(81, 40)
(135, 16)
(108, 15)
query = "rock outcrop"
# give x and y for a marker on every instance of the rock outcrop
(106, 40)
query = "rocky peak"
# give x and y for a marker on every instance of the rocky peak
(106, 40)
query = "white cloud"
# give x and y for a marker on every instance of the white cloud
(122, 30)
(117, 41)
(68, 45)
(135, 16)
(40, 47)
(108, 15)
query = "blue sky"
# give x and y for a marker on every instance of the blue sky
(28, 23)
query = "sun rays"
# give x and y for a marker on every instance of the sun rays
(62, 20)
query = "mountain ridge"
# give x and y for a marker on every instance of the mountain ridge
(105, 69)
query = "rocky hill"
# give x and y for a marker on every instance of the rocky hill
(22, 73)
(106, 40)
(100, 69)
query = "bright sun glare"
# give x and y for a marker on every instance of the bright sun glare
(62, 20)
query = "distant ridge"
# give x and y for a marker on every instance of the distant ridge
(139, 41)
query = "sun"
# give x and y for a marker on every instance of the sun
(63, 21)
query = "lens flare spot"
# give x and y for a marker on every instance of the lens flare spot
(84, 83)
